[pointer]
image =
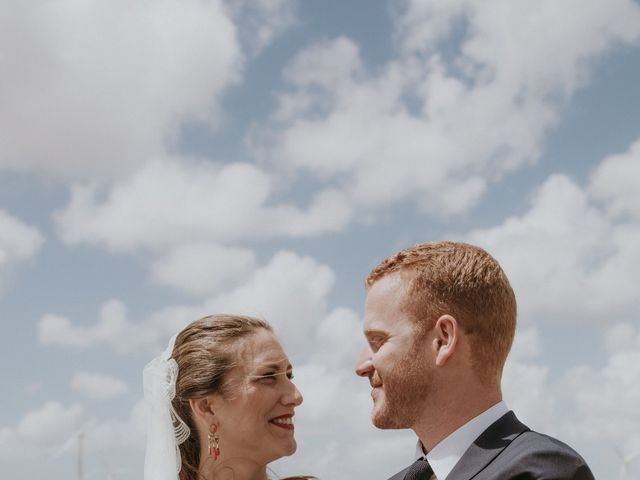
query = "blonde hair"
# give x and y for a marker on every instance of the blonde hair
(466, 282)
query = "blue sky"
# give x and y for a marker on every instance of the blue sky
(164, 160)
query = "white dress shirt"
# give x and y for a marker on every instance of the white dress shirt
(444, 456)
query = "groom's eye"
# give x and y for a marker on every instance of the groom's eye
(376, 343)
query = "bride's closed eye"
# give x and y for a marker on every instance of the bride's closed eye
(268, 377)
(272, 376)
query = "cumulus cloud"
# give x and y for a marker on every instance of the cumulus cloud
(53, 429)
(566, 259)
(113, 328)
(617, 385)
(171, 203)
(98, 386)
(433, 128)
(18, 242)
(525, 382)
(606, 398)
(591, 407)
(290, 291)
(40, 431)
(94, 89)
(615, 182)
(340, 334)
(107, 434)
(201, 268)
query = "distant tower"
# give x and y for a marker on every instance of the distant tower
(80, 439)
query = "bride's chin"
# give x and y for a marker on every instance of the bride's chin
(290, 449)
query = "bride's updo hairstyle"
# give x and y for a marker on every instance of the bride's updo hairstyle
(205, 351)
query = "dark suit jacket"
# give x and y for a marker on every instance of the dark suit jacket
(509, 450)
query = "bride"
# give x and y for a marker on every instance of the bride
(221, 402)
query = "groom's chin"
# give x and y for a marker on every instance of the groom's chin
(387, 425)
(384, 419)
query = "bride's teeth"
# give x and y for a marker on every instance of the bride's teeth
(286, 421)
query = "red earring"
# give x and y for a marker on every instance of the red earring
(214, 442)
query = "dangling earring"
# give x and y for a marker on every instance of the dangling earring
(214, 442)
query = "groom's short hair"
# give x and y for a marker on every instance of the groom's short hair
(466, 282)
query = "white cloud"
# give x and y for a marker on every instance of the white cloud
(615, 182)
(617, 383)
(103, 435)
(53, 429)
(170, 203)
(525, 382)
(57, 330)
(290, 292)
(18, 242)
(98, 386)
(40, 432)
(498, 32)
(606, 399)
(340, 334)
(431, 128)
(113, 328)
(592, 408)
(202, 268)
(92, 89)
(565, 258)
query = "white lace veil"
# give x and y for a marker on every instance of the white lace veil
(165, 429)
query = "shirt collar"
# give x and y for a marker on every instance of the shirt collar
(444, 456)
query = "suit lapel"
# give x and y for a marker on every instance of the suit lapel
(487, 446)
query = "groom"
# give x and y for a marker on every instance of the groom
(439, 322)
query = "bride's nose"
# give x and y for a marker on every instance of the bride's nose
(293, 397)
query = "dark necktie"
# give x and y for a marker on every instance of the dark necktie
(419, 470)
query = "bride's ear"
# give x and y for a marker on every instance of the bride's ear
(202, 409)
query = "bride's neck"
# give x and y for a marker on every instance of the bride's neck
(232, 469)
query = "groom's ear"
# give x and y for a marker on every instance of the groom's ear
(445, 339)
(202, 408)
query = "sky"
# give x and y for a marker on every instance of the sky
(160, 161)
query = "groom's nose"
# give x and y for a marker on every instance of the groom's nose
(364, 366)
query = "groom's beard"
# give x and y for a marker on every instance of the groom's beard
(407, 388)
